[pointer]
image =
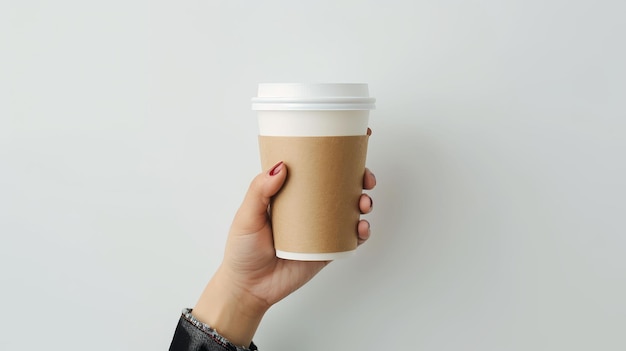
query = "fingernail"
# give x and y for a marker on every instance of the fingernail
(371, 203)
(276, 169)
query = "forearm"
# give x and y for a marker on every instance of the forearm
(232, 313)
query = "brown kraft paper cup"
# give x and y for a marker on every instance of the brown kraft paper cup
(316, 211)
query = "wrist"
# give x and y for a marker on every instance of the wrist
(231, 311)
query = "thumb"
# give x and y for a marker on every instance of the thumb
(252, 214)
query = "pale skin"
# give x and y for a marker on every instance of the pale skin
(251, 278)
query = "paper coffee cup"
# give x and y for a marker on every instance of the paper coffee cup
(320, 132)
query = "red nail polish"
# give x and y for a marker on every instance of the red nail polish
(276, 169)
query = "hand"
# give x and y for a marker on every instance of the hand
(251, 278)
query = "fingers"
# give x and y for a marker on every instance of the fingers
(252, 214)
(366, 204)
(369, 180)
(363, 230)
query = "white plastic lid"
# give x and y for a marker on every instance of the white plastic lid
(320, 96)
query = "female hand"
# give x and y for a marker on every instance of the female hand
(251, 278)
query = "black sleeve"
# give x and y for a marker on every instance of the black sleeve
(193, 335)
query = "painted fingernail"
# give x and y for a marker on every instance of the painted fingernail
(276, 169)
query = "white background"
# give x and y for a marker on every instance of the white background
(127, 142)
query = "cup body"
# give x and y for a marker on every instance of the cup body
(320, 132)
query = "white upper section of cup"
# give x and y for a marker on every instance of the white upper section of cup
(313, 109)
(315, 97)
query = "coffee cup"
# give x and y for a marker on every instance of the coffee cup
(320, 132)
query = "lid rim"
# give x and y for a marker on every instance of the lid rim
(310, 107)
(313, 96)
(314, 100)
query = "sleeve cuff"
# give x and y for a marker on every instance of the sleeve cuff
(212, 333)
